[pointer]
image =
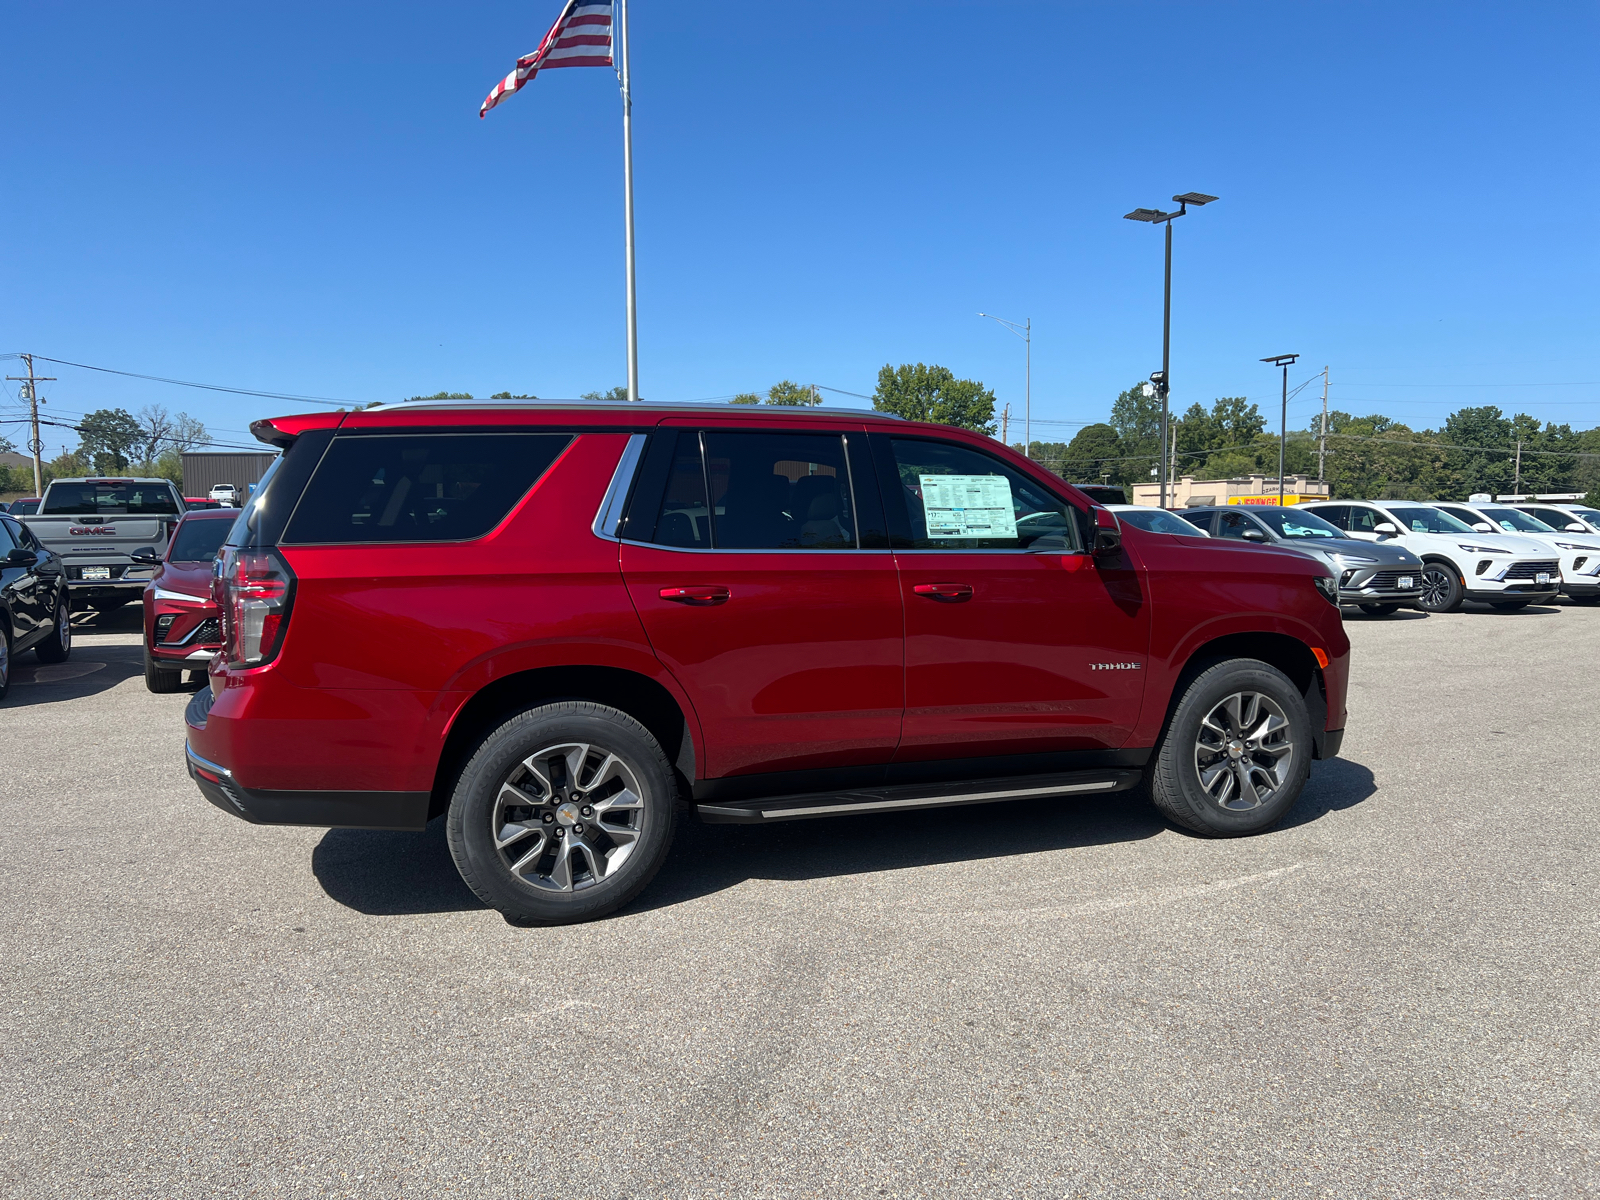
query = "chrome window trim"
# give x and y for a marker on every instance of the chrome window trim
(608, 518)
(812, 550)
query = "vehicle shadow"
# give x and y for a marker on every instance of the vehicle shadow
(1404, 614)
(90, 671)
(1532, 610)
(392, 874)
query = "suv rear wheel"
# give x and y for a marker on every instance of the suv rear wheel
(1236, 752)
(58, 645)
(562, 814)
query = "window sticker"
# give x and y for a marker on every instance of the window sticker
(968, 506)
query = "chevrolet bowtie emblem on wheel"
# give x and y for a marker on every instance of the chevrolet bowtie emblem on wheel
(1133, 666)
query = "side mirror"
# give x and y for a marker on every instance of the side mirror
(1577, 527)
(1483, 527)
(1387, 528)
(1107, 533)
(145, 556)
(21, 556)
(1253, 535)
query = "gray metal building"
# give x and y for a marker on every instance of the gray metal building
(202, 471)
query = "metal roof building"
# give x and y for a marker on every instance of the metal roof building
(203, 471)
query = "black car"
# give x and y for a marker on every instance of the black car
(1379, 578)
(34, 613)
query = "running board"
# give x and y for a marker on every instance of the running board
(914, 795)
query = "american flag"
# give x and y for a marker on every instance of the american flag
(581, 37)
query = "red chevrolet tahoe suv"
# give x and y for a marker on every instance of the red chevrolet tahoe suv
(563, 624)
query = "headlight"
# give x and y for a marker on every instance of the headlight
(1328, 588)
(1471, 549)
(1576, 546)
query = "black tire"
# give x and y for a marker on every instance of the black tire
(1442, 591)
(5, 661)
(1177, 783)
(58, 646)
(538, 896)
(158, 680)
(1380, 610)
(1509, 605)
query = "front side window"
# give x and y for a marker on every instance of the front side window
(1513, 521)
(757, 491)
(1337, 515)
(112, 499)
(1365, 520)
(956, 498)
(418, 487)
(1233, 525)
(1557, 519)
(1428, 520)
(7, 541)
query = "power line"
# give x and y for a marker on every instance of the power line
(209, 387)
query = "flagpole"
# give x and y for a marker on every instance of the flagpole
(627, 208)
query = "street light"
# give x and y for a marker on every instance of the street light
(1155, 216)
(1282, 360)
(1025, 332)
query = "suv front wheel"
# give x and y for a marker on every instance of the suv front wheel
(1236, 752)
(563, 814)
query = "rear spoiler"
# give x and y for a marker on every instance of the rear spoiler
(282, 431)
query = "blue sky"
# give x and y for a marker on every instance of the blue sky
(301, 198)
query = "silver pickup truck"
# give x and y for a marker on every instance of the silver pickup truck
(98, 525)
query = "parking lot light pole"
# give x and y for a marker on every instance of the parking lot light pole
(1282, 360)
(1025, 332)
(1155, 216)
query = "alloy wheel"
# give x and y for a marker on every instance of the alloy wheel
(5, 661)
(567, 817)
(1436, 587)
(64, 628)
(1244, 754)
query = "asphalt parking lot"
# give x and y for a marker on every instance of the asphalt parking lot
(1392, 995)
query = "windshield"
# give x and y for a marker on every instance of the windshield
(24, 508)
(1589, 516)
(118, 499)
(1157, 520)
(1427, 520)
(199, 541)
(1292, 523)
(1513, 521)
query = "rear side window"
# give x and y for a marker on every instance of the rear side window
(112, 499)
(756, 491)
(419, 487)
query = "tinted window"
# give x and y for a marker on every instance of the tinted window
(24, 508)
(7, 541)
(959, 499)
(1428, 520)
(430, 487)
(199, 541)
(1200, 520)
(685, 517)
(1157, 520)
(1365, 520)
(25, 537)
(1233, 525)
(130, 499)
(1337, 515)
(1555, 518)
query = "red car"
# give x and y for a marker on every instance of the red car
(558, 624)
(181, 632)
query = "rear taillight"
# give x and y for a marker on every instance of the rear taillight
(254, 590)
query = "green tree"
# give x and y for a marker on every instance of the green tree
(111, 436)
(1095, 450)
(746, 398)
(616, 393)
(924, 393)
(792, 395)
(443, 396)
(509, 396)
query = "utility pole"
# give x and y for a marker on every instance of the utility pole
(1005, 424)
(1516, 483)
(33, 408)
(1172, 469)
(1322, 448)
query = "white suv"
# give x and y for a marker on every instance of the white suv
(1458, 563)
(1564, 516)
(1579, 553)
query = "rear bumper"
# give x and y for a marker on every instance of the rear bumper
(327, 808)
(335, 810)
